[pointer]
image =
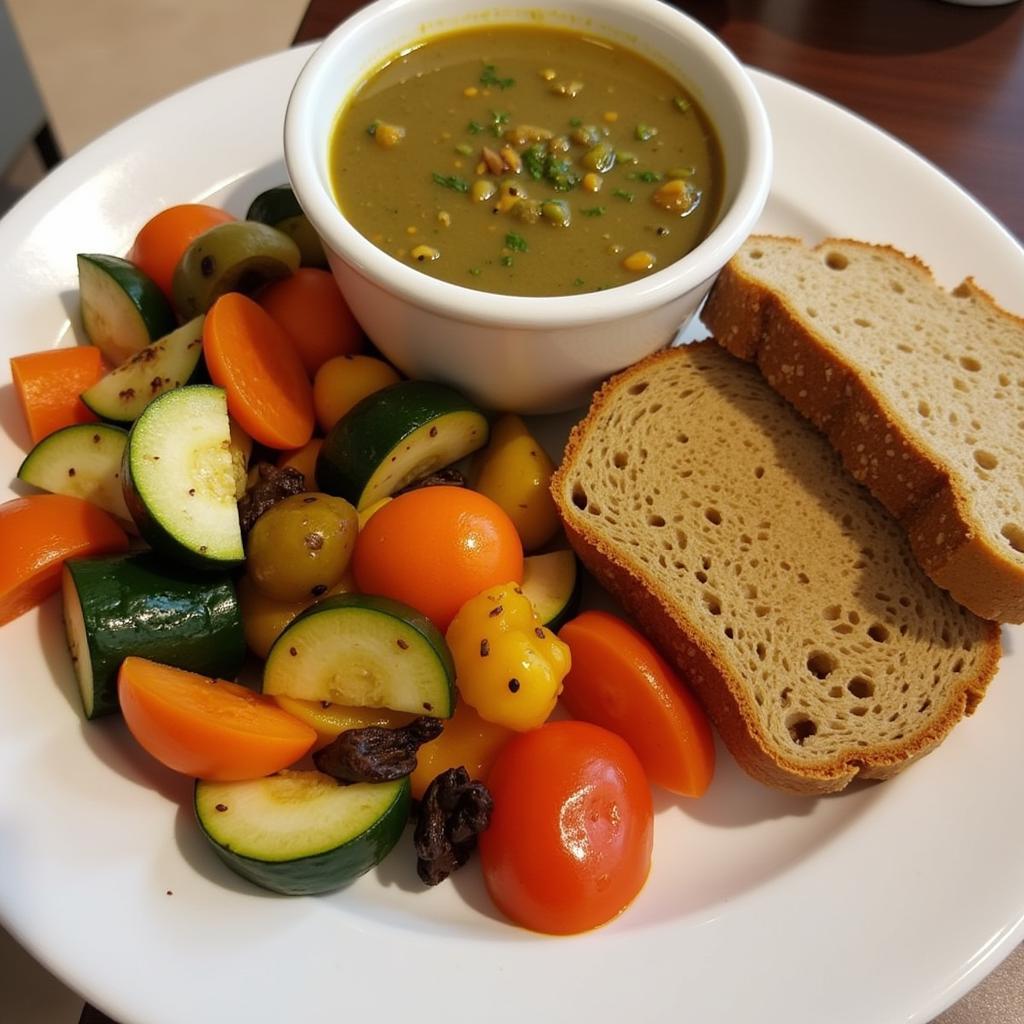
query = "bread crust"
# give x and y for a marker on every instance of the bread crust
(920, 490)
(702, 665)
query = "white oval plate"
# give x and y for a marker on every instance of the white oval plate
(885, 903)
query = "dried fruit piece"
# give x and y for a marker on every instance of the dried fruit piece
(376, 754)
(454, 811)
(272, 485)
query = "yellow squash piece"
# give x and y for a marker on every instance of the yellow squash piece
(507, 665)
(331, 720)
(514, 471)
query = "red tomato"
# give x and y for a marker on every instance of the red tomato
(569, 845)
(435, 548)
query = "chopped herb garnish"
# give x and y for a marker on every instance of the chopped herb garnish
(648, 176)
(623, 194)
(452, 181)
(475, 271)
(561, 174)
(474, 127)
(533, 160)
(577, 282)
(371, 128)
(593, 211)
(516, 242)
(498, 121)
(681, 104)
(645, 132)
(506, 261)
(575, 122)
(464, 149)
(490, 77)
(625, 157)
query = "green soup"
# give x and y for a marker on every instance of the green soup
(527, 161)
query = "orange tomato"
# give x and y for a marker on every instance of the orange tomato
(436, 547)
(165, 237)
(620, 681)
(569, 844)
(207, 728)
(310, 309)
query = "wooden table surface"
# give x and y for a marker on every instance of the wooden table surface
(946, 79)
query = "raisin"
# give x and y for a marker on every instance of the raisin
(376, 754)
(453, 812)
(272, 485)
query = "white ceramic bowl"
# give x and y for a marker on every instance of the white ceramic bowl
(533, 354)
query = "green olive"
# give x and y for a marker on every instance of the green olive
(301, 547)
(301, 232)
(234, 257)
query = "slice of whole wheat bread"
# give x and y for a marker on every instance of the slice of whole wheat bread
(920, 390)
(782, 591)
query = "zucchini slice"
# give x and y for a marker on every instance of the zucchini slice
(133, 604)
(235, 257)
(396, 436)
(279, 208)
(122, 309)
(553, 583)
(83, 460)
(168, 363)
(364, 651)
(299, 833)
(179, 478)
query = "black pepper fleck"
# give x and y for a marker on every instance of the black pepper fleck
(539, 632)
(206, 266)
(485, 647)
(293, 652)
(495, 611)
(222, 807)
(513, 685)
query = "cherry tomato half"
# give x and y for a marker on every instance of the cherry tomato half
(569, 845)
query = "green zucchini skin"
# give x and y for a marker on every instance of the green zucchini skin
(135, 604)
(321, 871)
(310, 664)
(156, 498)
(172, 361)
(380, 429)
(123, 310)
(83, 460)
(279, 208)
(554, 584)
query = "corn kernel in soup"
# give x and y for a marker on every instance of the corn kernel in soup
(527, 161)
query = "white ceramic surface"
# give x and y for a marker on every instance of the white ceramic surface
(490, 345)
(882, 904)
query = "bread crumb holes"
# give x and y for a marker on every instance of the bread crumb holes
(1015, 535)
(579, 497)
(836, 261)
(970, 364)
(985, 459)
(801, 728)
(861, 688)
(821, 664)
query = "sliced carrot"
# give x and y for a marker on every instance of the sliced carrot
(251, 357)
(164, 238)
(49, 383)
(313, 314)
(619, 681)
(207, 728)
(38, 533)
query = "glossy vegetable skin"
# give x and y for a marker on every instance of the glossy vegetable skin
(514, 471)
(313, 314)
(508, 666)
(251, 357)
(569, 845)
(39, 533)
(435, 548)
(136, 604)
(619, 681)
(164, 238)
(304, 460)
(331, 720)
(48, 385)
(207, 728)
(279, 208)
